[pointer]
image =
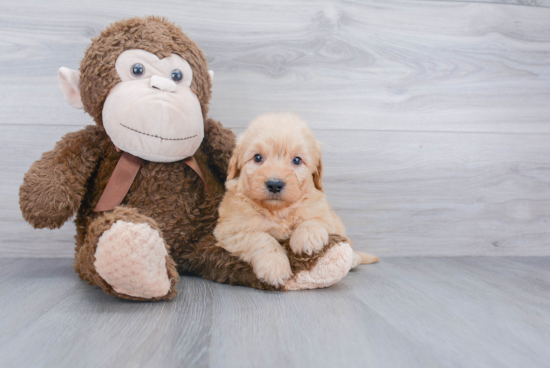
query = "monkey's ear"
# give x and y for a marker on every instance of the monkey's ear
(211, 74)
(69, 84)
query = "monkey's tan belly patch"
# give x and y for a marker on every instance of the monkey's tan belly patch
(132, 259)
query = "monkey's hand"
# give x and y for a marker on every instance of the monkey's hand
(218, 144)
(54, 185)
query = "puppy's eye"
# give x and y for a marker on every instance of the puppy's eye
(297, 161)
(258, 158)
(138, 70)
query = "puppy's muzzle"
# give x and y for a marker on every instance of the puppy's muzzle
(275, 185)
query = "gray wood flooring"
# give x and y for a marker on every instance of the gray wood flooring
(402, 312)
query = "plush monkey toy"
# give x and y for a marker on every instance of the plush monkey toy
(146, 180)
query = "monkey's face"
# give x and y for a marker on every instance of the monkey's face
(152, 113)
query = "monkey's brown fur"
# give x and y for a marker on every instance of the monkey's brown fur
(169, 197)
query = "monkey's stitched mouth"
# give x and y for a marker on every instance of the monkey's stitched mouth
(156, 136)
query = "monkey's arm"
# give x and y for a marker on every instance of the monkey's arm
(54, 185)
(206, 259)
(218, 144)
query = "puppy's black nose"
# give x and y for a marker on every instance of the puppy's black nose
(275, 185)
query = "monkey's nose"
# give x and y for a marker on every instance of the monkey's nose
(275, 185)
(164, 84)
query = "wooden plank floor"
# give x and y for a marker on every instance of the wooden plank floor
(403, 312)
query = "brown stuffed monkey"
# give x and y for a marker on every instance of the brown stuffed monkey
(146, 180)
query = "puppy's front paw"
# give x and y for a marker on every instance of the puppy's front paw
(273, 268)
(308, 238)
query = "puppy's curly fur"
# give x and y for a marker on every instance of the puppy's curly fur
(274, 193)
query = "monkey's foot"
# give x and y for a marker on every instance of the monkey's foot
(331, 268)
(132, 259)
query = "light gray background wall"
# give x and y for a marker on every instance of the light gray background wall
(434, 114)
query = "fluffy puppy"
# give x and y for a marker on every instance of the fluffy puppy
(274, 192)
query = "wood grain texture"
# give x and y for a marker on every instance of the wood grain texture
(380, 65)
(128, 335)
(543, 3)
(403, 312)
(434, 114)
(398, 193)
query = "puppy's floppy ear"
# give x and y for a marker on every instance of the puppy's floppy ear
(318, 176)
(234, 170)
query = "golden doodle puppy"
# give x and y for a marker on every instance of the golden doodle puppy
(274, 192)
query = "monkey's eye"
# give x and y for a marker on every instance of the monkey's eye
(138, 70)
(297, 161)
(176, 75)
(258, 158)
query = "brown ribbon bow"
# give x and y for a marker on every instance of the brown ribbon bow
(123, 176)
